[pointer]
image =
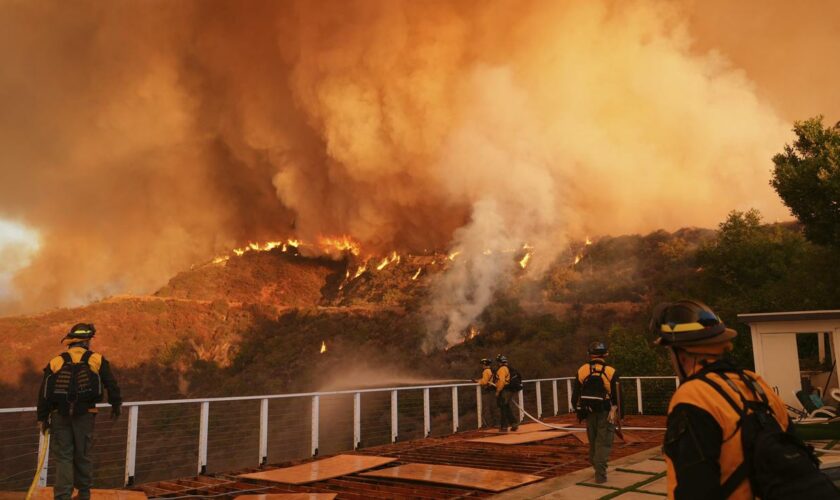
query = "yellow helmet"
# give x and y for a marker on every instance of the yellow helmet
(691, 325)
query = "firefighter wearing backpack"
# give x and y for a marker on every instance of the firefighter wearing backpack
(67, 400)
(505, 390)
(595, 398)
(728, 434)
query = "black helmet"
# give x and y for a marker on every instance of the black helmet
(597, 348)
(501, 359)
(688, 323)
(485, 361)
(81, 332)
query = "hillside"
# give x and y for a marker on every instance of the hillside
(255, 323)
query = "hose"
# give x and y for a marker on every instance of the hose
(41, 457)
(582, 428)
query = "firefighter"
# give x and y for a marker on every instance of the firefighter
(715, 404)
(487, 391)
(595, 398)
(504, 396)
(71, 387)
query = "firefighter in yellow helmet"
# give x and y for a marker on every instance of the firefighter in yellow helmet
(488, 390)
(728, 434)
(71, 388)
(595, 399)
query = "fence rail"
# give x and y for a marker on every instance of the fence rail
(159, 439)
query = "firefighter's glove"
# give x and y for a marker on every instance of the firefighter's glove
(613, 416)
(581, 413)
(43, 426)
(115, 412)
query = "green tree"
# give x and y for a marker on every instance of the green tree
(752, 267)
(807, 177)
(632, 353)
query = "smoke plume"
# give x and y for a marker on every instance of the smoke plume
(138, 138)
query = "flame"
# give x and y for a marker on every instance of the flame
(578, 258)
(417, 273)
(394, 258)
(341, 244)
(323, 347)
(453, 255)
(473, 332)
(259, 247)
(487, 251)
(588, 241)
(360, 270)
(523, 263)
(221, 260)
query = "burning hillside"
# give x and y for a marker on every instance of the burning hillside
(278, 307)
(358, 126)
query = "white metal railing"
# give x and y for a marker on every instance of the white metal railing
(532, 388)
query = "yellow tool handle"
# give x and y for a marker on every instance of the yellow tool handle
(41, 458)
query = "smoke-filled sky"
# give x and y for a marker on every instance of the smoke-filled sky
(138, 138)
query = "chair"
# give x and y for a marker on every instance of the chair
(814, 405)
(835, 394)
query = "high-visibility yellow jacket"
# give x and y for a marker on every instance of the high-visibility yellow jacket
(76, 353)
(610, 379)
(486, 378)
(97, 363)
(703, 441)
(502, 378)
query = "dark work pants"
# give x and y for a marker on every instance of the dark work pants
(71, 440)
(600, 433)
(488, 412)
(505, 411)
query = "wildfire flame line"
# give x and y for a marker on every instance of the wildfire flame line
(323, 347)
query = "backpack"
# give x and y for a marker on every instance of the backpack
(778, 464)
(593, 392)
(515, 383)
(73, 383)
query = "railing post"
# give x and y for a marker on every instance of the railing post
(454, 409)
(521, 406)
(554, 393)
(539, 400)
(43, 442)
(478, 409)
(394, 417)
(639, 395)
(427, 426)
(569, 395)
(357, 420)
(202, 437)
(263, 432)
(316, 415)
(131, 446)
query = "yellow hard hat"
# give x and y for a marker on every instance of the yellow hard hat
(692, 326)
